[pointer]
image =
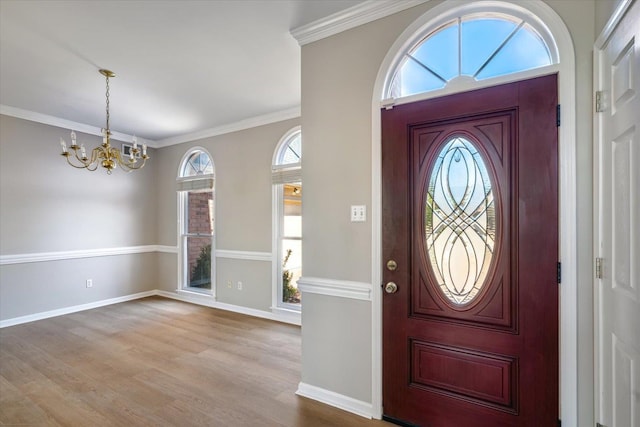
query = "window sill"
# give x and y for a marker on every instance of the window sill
(195, 293)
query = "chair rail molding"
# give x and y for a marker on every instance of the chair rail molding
(335, 288)
(83, 253)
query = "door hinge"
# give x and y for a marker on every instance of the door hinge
(559, 423)
(559, 272)
(558, 115)
(599, 106)
(598, 268)
(600, 425)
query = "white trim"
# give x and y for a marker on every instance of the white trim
(249, 123)
(73, 309)
(352, 17)
(612, 23)
(568, 194)
(341, 401)
(208, 301)
(167, 249)
(68, 124)
(245, 255)
(190, 297)
(335, 288)
(82, 253)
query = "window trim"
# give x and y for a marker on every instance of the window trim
(182, 234)
(277, 197)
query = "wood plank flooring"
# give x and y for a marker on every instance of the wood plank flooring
(157, 362)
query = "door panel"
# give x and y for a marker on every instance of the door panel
(617, 294)
(470, 205)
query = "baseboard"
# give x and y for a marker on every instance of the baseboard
(209, 301)
(349, 404)
(73, 309)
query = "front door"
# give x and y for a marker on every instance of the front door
(470, 247)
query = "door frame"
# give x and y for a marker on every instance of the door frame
(598, 53)
(566, 70)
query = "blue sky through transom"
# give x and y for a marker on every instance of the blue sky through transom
(478, 48)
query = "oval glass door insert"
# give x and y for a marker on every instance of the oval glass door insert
(460, 221)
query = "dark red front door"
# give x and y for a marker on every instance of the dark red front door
(470, 217)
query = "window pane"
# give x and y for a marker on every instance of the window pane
(200, 213)
(198, 261)
(439, 52)
(480, 39)
(413, 78)
(460, 221)
(292, 151)
(524, 51)
(292, 208)
(291, 270)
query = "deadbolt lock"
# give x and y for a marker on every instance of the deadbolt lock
(392, 265)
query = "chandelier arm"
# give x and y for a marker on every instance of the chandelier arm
(83, 166)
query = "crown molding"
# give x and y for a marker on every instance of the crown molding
(68, 124)
(352, 17)
(249, 123)
(252, 122)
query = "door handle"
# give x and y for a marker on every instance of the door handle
(392, 265)
(390, 288)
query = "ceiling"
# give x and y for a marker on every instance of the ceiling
(182, 67)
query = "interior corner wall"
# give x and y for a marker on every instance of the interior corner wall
(338, 77)
(243, 210)
(46, 206)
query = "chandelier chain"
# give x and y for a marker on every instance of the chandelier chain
(107, 95)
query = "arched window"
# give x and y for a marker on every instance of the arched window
(469, 48)
(287, 220)
(196, 221)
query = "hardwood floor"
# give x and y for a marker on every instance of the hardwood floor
(157, 362)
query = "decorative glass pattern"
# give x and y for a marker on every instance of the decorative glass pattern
(473, 47)
(460, 221)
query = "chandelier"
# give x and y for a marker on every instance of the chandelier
(105, 155)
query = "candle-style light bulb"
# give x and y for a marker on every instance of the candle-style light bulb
(144, 149)
(73, 139)
(135, 142)
(64, 145)
(83, 152)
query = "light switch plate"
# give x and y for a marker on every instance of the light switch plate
(358, 213)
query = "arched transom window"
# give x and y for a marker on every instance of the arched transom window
(470, 48)
(197, 163)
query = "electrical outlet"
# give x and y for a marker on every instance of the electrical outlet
(89, 283)
(239, 286)
(229, 284)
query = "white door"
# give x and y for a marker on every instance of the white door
(617, 223)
